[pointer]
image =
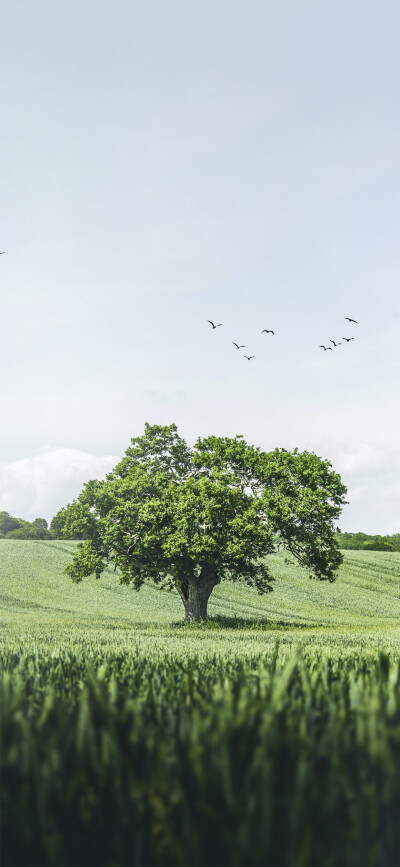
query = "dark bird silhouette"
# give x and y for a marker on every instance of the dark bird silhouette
(265, 331)
(214, 326)
(351, 320)
(242, 345)
(249, 357)
(2, 254)
(325, 347)
(348, 339)
(335, 344)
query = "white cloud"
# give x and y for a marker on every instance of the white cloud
(372, 475)
(364, 459)
(40, 485)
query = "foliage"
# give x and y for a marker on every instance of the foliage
(69, 523)
(29, 531)
(129, 759)
(8, 523)
(17, 528)
(41, 523)
(362, 541)
(182, 517)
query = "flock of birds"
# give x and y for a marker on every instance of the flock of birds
(347, 339)
(269, 331)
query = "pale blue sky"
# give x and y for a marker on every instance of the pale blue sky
(167, 163)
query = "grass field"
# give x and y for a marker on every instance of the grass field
(38, 604)
(268, 736)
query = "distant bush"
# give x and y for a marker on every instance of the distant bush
(17, 528)
(362, 541)
(378, 545)
(7, 523)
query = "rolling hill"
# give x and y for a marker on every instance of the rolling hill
(38, 604)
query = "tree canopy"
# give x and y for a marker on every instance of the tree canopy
(65, 526)
(191, 517)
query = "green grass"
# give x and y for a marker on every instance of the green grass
(267, 736)
(129, 760)
(39, 606)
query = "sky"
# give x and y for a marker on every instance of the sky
(168, 163)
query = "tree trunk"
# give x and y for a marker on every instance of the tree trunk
(195, 593)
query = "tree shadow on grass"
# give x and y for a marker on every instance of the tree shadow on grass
(222, 621)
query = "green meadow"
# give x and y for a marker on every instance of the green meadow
(39, 606)
(267, 735)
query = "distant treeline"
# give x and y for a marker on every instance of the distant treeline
(17, 528)
(361, 541)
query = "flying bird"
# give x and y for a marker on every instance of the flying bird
(335, 344)
(214, 326)
(242, 346)
(249, 357)
(265, 331)
(351, 320)
(348, 339)
(2, 254)
(325, 347)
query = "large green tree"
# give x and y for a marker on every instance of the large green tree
(190, 518)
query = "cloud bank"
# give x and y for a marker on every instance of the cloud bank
(372, 475)
(40, 485)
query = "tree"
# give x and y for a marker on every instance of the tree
(189, 518)
(363, 542)
(30, 531)
(40, 523)
(378, 544)
(57, 523)
(17, 528)
(67, 523)
(8, 523)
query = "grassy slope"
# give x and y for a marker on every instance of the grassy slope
(38, 604)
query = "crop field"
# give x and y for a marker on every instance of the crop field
(269, 735)
(39, 606)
